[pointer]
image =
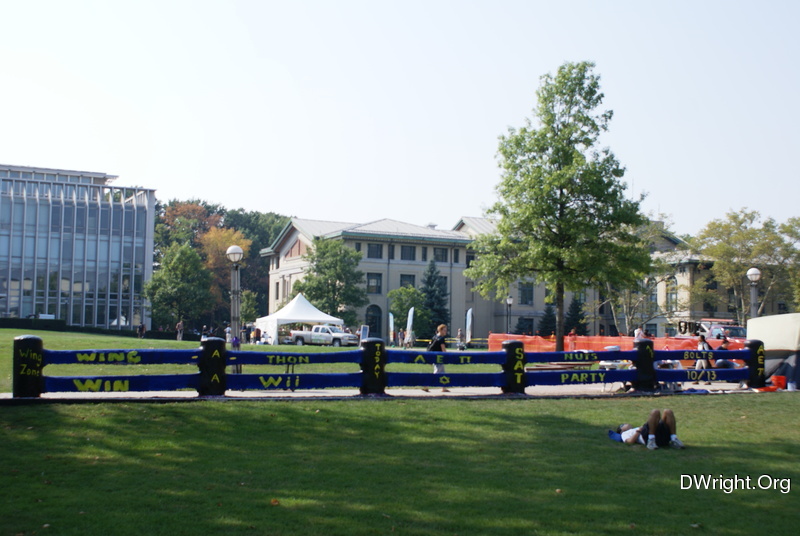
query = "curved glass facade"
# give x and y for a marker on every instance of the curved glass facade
(73, 247)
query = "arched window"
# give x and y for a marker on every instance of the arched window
(373, 320)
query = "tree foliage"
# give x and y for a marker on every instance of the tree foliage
(737, 243)
(333, 282)
(214, 244)
(401, 300)
(180, 289)
(198, 224)
(562, 213)
(249, 310)
(576, 319)
(261, 228)
(184, 222)
(547, 325)
(434, 288)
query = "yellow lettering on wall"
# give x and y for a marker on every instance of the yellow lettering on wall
(270, 381)
(88, 385)
(121, 385)
(583, 377)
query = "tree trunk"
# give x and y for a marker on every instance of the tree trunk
(559, 317)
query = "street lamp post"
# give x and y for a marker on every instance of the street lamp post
(509, 303)
(754, 275)
(235, 254)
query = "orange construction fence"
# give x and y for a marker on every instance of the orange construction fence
(600, 343)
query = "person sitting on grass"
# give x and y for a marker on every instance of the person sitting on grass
(660, 430)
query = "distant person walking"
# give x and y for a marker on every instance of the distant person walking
(439, 344)
(702, 361)
(179, 329)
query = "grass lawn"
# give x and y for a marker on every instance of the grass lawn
(417, 467)
(394, 466)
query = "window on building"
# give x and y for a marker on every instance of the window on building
(653, 299)
(391, 252)
(374, 283)
(407, 280)
(526, 293)
(424, 254)
(408, 253)
(374, 251)
(373, 318)
(456, 256)
(470, 258)
(672, 294)
(358, 246)
(440, 254)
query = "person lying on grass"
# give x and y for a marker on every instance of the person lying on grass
(660, 430)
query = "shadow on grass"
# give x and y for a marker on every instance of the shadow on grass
(374, 467)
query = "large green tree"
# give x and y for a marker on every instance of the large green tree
(333, 282)
(791, 231)
(562, 213)
(180, 289)
(434, 288)
(738, 242)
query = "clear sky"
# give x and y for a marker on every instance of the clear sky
(360, 110)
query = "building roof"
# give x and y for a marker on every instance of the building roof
(97, 178)
(318, 228)
(476, 226)
(385, 229)
(392, 229)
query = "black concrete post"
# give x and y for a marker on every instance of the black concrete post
(645, 370)
(756, 363)
(514, 367)
(373, 367)
(213, 380)
(28, 364)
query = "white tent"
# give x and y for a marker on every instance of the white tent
(299, 310)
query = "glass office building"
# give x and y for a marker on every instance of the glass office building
(73, 247)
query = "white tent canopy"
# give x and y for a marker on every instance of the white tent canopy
(299, 310)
